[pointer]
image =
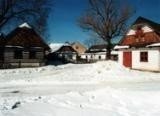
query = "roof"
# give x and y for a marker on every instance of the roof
(142, 20)
(154, 45)
(97, 48)
(25, 37)
(77, 43)
(80, 48)
(25, 25)
(146, 38)
(66, 49)
(100, 47)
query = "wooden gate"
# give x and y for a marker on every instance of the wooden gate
(127, 59)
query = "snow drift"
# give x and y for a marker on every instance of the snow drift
(98, 89)
(104, 71)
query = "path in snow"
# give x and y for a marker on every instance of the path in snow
(40, 90)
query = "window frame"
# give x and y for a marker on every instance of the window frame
(144, 56)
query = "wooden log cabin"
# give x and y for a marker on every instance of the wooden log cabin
(23, 47)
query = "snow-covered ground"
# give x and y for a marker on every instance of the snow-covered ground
(103, 89)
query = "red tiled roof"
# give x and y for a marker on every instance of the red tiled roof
(147, 38)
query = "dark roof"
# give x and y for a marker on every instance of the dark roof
(97, 48)
(142, 20)
(2, 40)
(66, 49)
(25, 37)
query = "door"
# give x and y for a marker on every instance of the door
(127, 59)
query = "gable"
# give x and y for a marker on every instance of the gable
(131, 32)
(78, 45)
(145, 28)
(25, 37)
(143, 32)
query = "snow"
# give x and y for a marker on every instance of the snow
(113, 52)
(102, 88)
(154, 45)
(55, 46)
(145, 29)
(120, 47)
(10, 46)
(24, 25)
(131, 32)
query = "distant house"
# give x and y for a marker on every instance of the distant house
(23, 47)
(140, 47)
(98, 53)
(79, 48)
(63, 52)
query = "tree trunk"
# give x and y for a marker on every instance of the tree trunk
(108, 53)
(109, 47)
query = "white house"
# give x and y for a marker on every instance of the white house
(98, 53)
(140, 47)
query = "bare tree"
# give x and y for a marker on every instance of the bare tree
(35, 12)
(106, 18)
(93, 40)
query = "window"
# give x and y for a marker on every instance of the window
(32, 55)
(18, 54)
(114, 57)
(86, 57)
(144, 56)
(143, 40)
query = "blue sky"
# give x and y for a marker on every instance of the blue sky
(63, 20)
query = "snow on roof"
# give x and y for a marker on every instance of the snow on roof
(114, 52)
(120, 47)
(154, 45)
(25, 25)
(10, 46)
(55, 46)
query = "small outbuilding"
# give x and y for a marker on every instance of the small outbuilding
(63, 52)
(98, 53)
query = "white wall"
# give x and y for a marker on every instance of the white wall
(94, 56)
(103, 56)
(153, 60)
(153, 63)
(120, 57)
(159, 58)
